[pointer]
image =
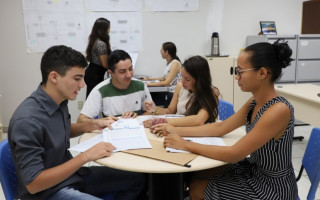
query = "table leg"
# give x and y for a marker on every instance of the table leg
(166, 186)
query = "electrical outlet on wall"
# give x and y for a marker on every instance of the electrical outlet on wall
(80, 105)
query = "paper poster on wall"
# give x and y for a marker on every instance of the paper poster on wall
(113, 5)
(134, 57)
(45, 29)
(126, 29)
(172, 5)
(53, 5)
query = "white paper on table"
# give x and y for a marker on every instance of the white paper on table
(201, 140)
(142, 118)
(125, 123)
(83, 146)
(127, 138)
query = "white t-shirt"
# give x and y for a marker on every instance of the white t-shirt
(109, 100)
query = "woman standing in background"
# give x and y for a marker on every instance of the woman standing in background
(97, 52)
(172, 74)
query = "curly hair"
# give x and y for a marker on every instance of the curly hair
(274, 56)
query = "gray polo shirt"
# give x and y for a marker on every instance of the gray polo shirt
(39, 133)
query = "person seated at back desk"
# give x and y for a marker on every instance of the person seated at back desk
(194, 97)
(118, 95)
(172, 75)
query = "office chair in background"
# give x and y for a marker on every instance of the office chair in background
(311, 162)
(8, 175)
(225, 109)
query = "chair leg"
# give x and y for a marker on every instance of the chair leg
(300, 138)
(300, 173)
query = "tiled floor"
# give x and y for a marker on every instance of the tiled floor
(298, 151)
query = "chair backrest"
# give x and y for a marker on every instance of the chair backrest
(311, 161)
(225, 109)
(8, 175)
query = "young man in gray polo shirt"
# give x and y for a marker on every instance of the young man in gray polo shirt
(39, 133)
(119, 95)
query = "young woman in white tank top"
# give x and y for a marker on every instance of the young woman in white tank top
(194, 97)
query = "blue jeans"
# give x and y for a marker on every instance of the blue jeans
(101, 181)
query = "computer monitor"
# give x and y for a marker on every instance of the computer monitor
(268, 28)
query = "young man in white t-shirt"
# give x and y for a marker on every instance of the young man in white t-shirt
(118, 95)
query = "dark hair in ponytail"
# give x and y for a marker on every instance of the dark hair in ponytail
(172, 49)
(274, 56)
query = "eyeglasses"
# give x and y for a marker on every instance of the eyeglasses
(238, 72)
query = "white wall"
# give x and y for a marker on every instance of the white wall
(241, 18)
(190, 31)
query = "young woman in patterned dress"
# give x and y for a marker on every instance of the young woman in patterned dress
(269, 120)
(97, 52)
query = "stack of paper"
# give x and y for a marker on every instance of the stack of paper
(126, 134)
(125, 123)
(127, 138)
(84, 146)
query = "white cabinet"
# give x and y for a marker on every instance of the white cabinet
(308, 58)
(222, 74)
(305, 66)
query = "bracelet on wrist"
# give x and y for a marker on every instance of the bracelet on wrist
(157, 111)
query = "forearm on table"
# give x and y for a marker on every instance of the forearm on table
(222, 153)
(192, 120)
(207, 130)
(186, 121)
(161, 111)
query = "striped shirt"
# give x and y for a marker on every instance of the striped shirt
(266, 174)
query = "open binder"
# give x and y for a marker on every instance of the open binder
(158, 152)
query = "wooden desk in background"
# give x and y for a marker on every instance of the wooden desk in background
(305, 99)
(134, 163)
